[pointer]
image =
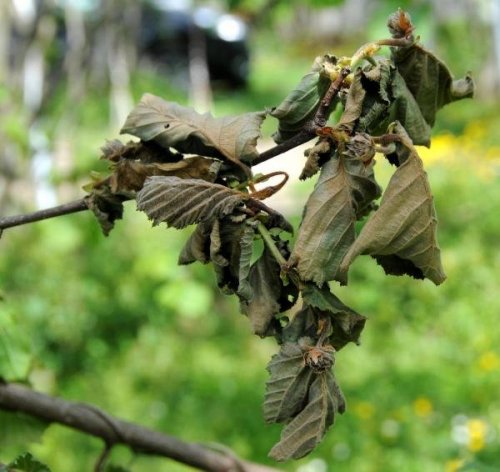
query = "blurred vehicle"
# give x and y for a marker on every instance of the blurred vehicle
(169, 27)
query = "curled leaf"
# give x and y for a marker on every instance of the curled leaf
(182, 202)
(129, 176)
(265, 294)
(286, 390)
(106, 207)
(346, 323)
(344, 192)
(401, 234)
(172, 125)
(429, 80)
(321, 151)
(302, 103)
(308, 428)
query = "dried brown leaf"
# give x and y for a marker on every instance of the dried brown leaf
(401, 234)
(308, 428)
(182, 202)
(344, 192)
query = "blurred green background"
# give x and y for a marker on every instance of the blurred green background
(115, 322)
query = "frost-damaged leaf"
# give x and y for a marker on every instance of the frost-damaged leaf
(172, 125)
(286, 390)
(316, 156)
(401, 234)
(266, 295)
(308, 428)
(146, 152)
(106, 207)
(347, 324)
(429, 80)
(344, 192)
(302, 103)
(130, 175)
(246, 250)
(379, 96)
(197, 247)
(182, 202)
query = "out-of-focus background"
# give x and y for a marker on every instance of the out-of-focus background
(114, 321)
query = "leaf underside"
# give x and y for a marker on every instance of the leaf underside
(308, 428)
(182, 202)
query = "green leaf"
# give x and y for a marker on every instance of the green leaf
(27, 463)
(18, 429)
(182, 202)
(302, 103)
(172, 125)
(15, 351)
(344, 192)
(401, 234)
(308, 428)
(347, 324)
(429, 80)
(286, 390)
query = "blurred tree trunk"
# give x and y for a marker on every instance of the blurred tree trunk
(200, 91)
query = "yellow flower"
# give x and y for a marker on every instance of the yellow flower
(364, 410)
(454, 465)
(489, 361)
(422, 407)
(477, 434)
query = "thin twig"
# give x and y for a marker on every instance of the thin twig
(83, 417)
(65, 209)
(103, 457)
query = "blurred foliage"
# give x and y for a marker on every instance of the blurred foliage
(115, 322)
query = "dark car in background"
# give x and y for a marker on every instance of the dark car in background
(168, 29)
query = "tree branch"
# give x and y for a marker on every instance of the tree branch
(65, 209)
(91, 420)
(308, 132)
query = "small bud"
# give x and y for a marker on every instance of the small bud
(399, 24)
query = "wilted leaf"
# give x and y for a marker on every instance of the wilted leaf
(347, 324)
(130, 175)
(197, 247)
(308, 428)
(182, 202)
(266, 295)
(429, 80)
(106, 207)
(286, 390)
(321, 151)
(172, 125)
(345, 190)
(401, 234)
(246, 250)
(302, 103)
(225, 252)
(146, 152)
(379, 96)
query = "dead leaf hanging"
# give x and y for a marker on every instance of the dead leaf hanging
(307, 429)
(345, 189)
(401, 234)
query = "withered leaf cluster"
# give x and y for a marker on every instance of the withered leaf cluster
(193, 169)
